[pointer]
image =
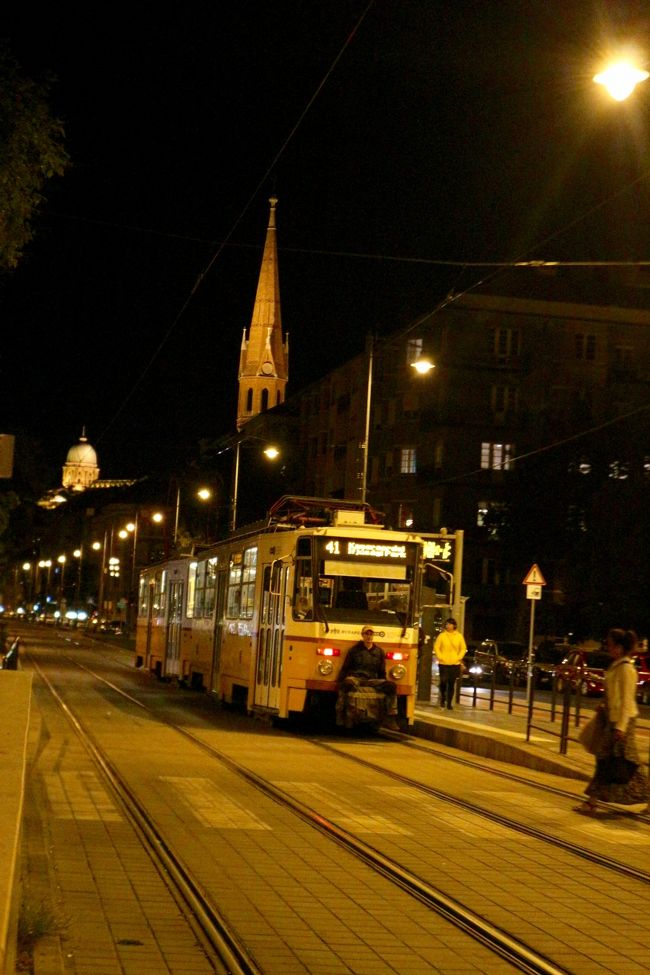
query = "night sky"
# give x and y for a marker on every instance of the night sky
(451, 131)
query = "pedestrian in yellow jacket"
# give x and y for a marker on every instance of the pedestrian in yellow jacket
(449, 648)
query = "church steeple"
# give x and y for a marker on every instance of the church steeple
(264, 356)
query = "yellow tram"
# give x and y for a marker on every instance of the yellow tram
(265, 617)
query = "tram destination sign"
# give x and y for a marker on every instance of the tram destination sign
(359, 549)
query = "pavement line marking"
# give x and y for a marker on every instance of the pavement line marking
(350, 815)
(429, 808)
(80, 796)
(609, 829)
(209, 805)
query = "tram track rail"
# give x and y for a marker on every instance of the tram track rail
(518, 954)
(499, 819)
(227, 955)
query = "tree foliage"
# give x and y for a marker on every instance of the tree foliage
(31, 152)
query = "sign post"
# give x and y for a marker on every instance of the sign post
(533, 582)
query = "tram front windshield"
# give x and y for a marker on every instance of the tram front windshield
(355, 581)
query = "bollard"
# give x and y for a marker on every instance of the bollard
(566, 714)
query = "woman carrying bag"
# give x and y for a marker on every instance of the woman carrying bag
(618, 780)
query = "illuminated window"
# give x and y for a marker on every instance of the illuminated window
(497, 456)
(585, 347)
(408, 463)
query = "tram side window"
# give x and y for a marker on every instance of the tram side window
(210, 587)
(234, 588)
(249, 573)
(205, 588)
(303, 600)
(143, 597)
(191, 589)
(241, 584)
(159, 593)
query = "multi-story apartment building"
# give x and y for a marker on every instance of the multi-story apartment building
(531, 435)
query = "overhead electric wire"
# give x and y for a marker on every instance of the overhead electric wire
(238, 220)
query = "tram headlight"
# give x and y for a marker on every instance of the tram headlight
(325, 667)
(397, 672)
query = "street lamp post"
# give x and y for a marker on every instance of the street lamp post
(422, 366)
(270, 451)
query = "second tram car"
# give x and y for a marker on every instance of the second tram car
(264, 618)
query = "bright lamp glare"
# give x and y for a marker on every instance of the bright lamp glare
(272, 452)
(423, 366)
(620, 79)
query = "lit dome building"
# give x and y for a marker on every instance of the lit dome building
(80, 473)
(80, 469)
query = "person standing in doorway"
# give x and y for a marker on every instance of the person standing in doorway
(449, 649)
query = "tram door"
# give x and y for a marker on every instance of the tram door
(219, 603)
(270, 641)
(174, 621)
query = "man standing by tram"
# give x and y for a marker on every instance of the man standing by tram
(449, 648)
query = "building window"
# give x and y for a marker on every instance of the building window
(249, 400)
(624, 356)
(580, 465)
(576, 519)
(497, 456)
(504, 343)
(504, 400)
(413, 351)
(265, 400)
(490, 574)
(585, 347)
(492, 516)
(408, 463)
(619, 470)
(404, 515)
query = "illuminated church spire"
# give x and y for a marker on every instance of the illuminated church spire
(264, 356)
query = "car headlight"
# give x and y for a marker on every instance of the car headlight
(325, 667)
(397, 672)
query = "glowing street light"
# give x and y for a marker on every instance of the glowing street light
(621, 78)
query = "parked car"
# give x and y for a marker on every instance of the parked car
(642, 664)
(505, 659)
(584, 669)
(548, 655)
(116, 627)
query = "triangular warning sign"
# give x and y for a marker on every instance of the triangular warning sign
(534, 577)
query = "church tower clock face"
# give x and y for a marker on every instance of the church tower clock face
(267, 368)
